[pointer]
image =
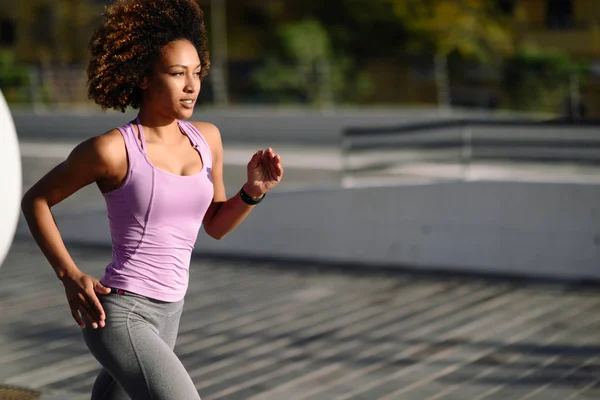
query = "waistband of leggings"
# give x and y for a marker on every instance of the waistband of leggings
(120, 292)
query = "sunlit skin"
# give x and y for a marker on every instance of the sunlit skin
(176, 78)
(167, 91)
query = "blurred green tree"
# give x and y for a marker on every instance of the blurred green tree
(363, 28)
(474, 29)
(542, 80)
(302, 64)
(56, 32)
(13, 77)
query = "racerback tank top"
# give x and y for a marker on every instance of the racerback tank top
(154, 219)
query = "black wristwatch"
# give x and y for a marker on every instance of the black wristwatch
(246, 198)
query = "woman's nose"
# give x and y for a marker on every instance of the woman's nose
(191, 85)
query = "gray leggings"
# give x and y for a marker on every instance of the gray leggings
(135, 349)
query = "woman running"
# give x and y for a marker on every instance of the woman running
(161, 177)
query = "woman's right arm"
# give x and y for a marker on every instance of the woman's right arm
(101, 159)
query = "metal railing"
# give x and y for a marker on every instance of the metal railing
(462, 142)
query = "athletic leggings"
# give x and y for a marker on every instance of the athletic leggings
(135, 349)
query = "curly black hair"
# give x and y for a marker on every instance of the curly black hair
(127, 45)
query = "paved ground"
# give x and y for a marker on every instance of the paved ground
(260, 331)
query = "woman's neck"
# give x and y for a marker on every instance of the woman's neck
(158, 127)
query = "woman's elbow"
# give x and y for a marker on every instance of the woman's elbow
(30, 202)
(27, 202)
(213, 233)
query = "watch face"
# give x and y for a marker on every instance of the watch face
(10, 178)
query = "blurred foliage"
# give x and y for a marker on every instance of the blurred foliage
(57, 30)
(14, 78)
(302, 65)
(473, 28)
(365, 28)
(319, 52)
(539, 80)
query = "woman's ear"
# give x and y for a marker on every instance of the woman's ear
(143, 83)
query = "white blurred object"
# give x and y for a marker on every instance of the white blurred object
(10, 179)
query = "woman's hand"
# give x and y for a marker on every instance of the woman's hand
(264, 172)
(81, 292)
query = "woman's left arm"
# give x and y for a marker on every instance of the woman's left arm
(264, 172)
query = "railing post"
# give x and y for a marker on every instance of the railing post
(467, 148)
(345, 154)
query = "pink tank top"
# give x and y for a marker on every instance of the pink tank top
(154, 219)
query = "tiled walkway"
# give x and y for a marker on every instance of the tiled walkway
(271, 332)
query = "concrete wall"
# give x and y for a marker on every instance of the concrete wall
(537, 230)
(549, 230)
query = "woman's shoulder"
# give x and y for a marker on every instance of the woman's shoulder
(210, 133)
(207, 129)
(109, 142)
(107, 148)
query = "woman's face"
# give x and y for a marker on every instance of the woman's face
(173, 87)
